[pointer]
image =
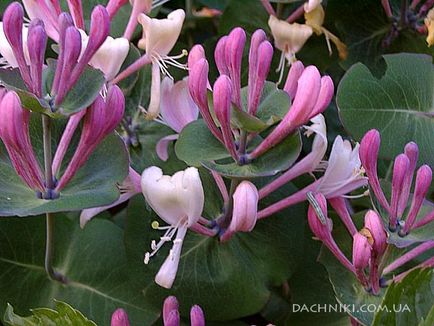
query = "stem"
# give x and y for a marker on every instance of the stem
(188, 8)
(243, 143)
(224, 220)
(385, 258)
(46, 126)
(296, 14)
(403, 19)
(55, 276)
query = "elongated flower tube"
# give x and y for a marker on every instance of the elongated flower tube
(76, 10)
(159, 37)
(99, 30)
(120, 318)
(234, 48)
(220, 56)
(260, 71)
(197, 84)
(177, 110)
(321, 227)
(178, 200)
(174, 319)
(245, 210)
(197, 317)
(324, 97)
(309, 163)
(13, 30)
(129, 188)
(423, 182)
(294, 75)
(139, 7)
(361, 256)
(400, 169)
(369, 147)
(411, 150)
(170, 304)
(113, 7)
(222, 108)
(308, 89)
(100, 120)
(196, 53)
(258, 37)
(14, 132)
(340, 206)
(36, 43)
(428, 218)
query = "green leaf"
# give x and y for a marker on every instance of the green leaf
(277, 159)
(11, 79)
(239, 273)
(402, 100)
(63, 315)
(93, 185)
(409, 301)
(197, 146)
(240, 119)
(84, 92)
(92, 259)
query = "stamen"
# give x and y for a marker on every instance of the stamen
(281, 67)
(364, 194)
(158, 3)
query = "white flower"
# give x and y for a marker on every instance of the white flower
(319, 146)
(179, 201)
(311, 5)
(7, 52)
(344, 172)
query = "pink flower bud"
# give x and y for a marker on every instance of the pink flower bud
(76, 10)
(294, 74)
(245, 210)
(139, 7)
(14, 132)
(369, 147)
(220, 56)
(120, 318)
(308, 89)
(265, 55)
(234, 54)
(361, 256)
(36, 43)
(375, 225)
(197, 317)
(423, 182)
(222, 108)
(99, 30)
(257, 38)
(173, 319)
(115, 108)
(321, 226)
(197, 82)
(113, 7)
(170, 304)
(13, 29)
(400, 169)
(412, 152)
(196, 53)
(325, 96)
(70, 54)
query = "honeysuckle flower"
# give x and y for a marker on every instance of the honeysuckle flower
(312, 97)
(159, 37)
(37, 41)
(178, 200)
(400, 169)
(130, 187)
(340, 206)
(361, 256)
(6, 51)
(113, 7)
(429, 23)
(110, 55)
(48, 12)
(288, 38)
(311, 5)
(309, 163)
(315, 19)
(421, 188)
(369, 147)
(170, 304)
(344, 172)
(177, 110)
(100, 120)
(294, 75)
(197, 317)
(120, 318)
(245, 209)
(321, 226)
(14, 132)
(411, 150)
